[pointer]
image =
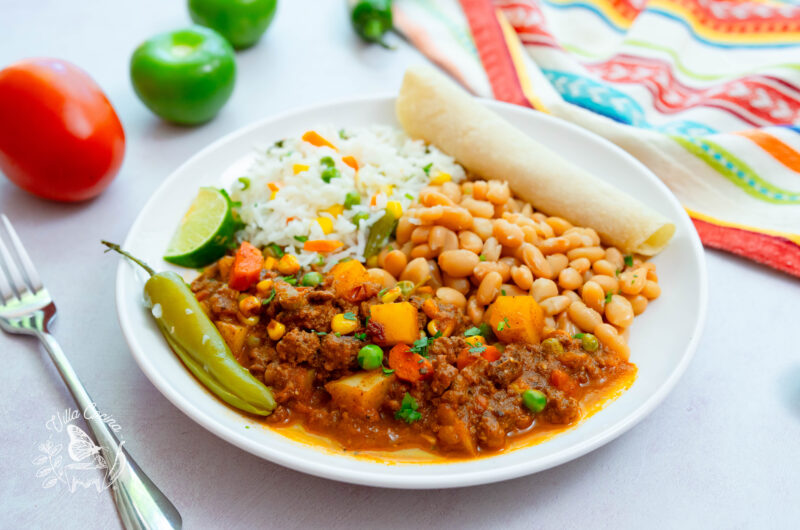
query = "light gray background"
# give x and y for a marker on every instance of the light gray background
(722, 451)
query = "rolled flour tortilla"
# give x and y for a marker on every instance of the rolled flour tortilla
(433, 108)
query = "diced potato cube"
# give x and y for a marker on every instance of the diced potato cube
(516, 319)
(361, 393)
(233, 335)
(397, 321)
(348, 275)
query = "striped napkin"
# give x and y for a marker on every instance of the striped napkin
(706, 93)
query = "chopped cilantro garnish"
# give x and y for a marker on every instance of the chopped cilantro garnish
(382, 291)
(482, 257)
(471, 332)
(578, 335)
(503, 324)
(408, 409)
(301, 239)
(616, 272)
(320, 333)
(360, 336)
(245, 182)
(338, 334)
(478, 348)
(320, 260)
(350, 316)
(291, 280)
(279, 143)
(388, 371)
(343, 134)
(427, 169)
(268, 299)
(276, 249)
(503, 292)
(327, 161)
(629, 260)
(420, 345)
(609, 294)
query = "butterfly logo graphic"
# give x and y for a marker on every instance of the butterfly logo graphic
(86, 454)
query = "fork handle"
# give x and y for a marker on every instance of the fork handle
(140, 503)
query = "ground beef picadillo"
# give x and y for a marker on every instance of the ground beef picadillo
(463, 412)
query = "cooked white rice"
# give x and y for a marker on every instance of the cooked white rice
(392, 167)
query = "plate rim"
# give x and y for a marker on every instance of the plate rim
(394, 480)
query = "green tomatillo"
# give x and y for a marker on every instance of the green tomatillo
(184, 76)
(242, 22)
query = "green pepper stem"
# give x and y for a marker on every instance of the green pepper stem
(118, 249)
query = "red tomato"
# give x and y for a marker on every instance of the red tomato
(59, 136)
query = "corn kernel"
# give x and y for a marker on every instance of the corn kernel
(299, 168)
(475, 340)
(335, 210)
(264, 287)
(249, 321)
(435, 327)
(269, 263)
(440, 178)
(432, 328)
(288, 264)
(372, 262)
(387, 189)
(249, 304)
(325, 224)
(275, 330)
(391, 295)
(395, 208)
(343, 325)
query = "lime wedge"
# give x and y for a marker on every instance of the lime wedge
(205, 232)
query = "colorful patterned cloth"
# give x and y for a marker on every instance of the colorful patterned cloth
(706, 93)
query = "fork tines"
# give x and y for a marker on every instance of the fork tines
(18, 276)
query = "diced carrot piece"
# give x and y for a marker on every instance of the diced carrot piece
(315, 139)
(409, 366)
(322, 245)
(464, 359)
(246, 268)
(491, 354)
(350, 161)
(562, 381)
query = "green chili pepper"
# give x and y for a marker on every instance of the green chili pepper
(372, 19)
(196, 341)
(379, 234)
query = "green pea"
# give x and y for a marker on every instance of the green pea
(361, 216)
(534, 400)
(405, 287)
(352, 198)
(552, 345)
(311, 279)
(329, 174)
(370, 357)
(589, 342)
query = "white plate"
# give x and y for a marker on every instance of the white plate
(663, 339)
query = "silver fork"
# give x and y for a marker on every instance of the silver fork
(26, 308)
